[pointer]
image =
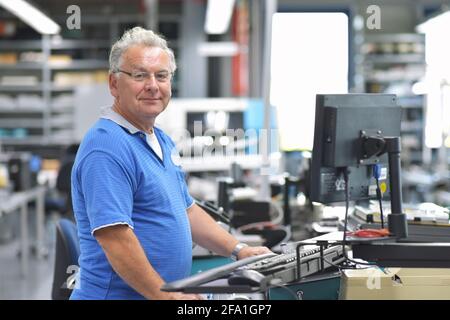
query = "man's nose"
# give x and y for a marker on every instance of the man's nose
(151, 83)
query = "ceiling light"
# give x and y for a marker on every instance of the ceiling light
(218, 49)
(218, 16)
(31, 16)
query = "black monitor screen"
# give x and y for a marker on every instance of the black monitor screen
(192, 118)
(227, 120)
(341, 121)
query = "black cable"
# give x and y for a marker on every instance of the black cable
(344, 240)
(344, 267)
(334, 264)
(380, 198)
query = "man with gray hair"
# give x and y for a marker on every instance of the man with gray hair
(136, 220)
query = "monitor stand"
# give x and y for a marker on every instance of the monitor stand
(397, 253)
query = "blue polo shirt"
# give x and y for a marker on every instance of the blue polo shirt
(118, 179)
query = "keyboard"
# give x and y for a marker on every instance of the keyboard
(284, 266)
(268, 264)
(196, 280)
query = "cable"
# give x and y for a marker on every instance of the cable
(332, 264)
(272, 283)
(343, 267)
(380, 197)
(347, 199)
(278, 219)
(376, 169)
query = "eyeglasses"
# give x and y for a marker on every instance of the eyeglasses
(141, 76)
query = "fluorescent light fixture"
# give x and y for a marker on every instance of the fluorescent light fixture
(31, 16)
(218, 49)
(218, 16)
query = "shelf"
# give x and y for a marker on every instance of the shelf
(395, 58)
(56, 88)
(80, 64)
(34, 88)
(61, 123)
(391, 64)
(11, 45)
(73, 65)
(411, 102)
(19, 89)
(79, 44)
(29, 140)
(372, 79)
(36, 140)
(396, 37)
(61, 108)
(411, 126)
(12, 123)
(22, 110)
(22, 65)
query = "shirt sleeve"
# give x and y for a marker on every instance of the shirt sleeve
(187, 197)
(107, 190)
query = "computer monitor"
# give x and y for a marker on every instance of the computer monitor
(210, 121)
(354, 132)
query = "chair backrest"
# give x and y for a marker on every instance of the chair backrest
(63, 183)
(66, 259)
(63, 180)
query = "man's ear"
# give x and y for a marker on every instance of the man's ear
(113, 85)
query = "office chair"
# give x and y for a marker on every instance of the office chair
(66, 259)
(62, 203)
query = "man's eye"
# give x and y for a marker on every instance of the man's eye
(163, 76)
(139, 76)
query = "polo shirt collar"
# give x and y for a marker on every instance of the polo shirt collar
(110, 114)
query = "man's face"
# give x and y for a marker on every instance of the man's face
(144, 99)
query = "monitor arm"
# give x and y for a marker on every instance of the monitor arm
(375, 146)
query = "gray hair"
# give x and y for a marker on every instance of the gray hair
(138, 36)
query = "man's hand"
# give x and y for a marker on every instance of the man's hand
(183, 296)
(252, 251)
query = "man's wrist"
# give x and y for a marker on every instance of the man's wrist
(237, 249)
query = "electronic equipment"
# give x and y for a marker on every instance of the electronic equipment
(353, 133)
(213, 122)
(417, 231)
(312, 261)
(230, 278)
(218, 213)
(23, 168)
(411, 255)
(247, 277)
(196, 283)
(340, 121)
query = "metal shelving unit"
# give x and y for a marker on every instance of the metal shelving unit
(39, 119)
(392, 64)
(44, 122)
